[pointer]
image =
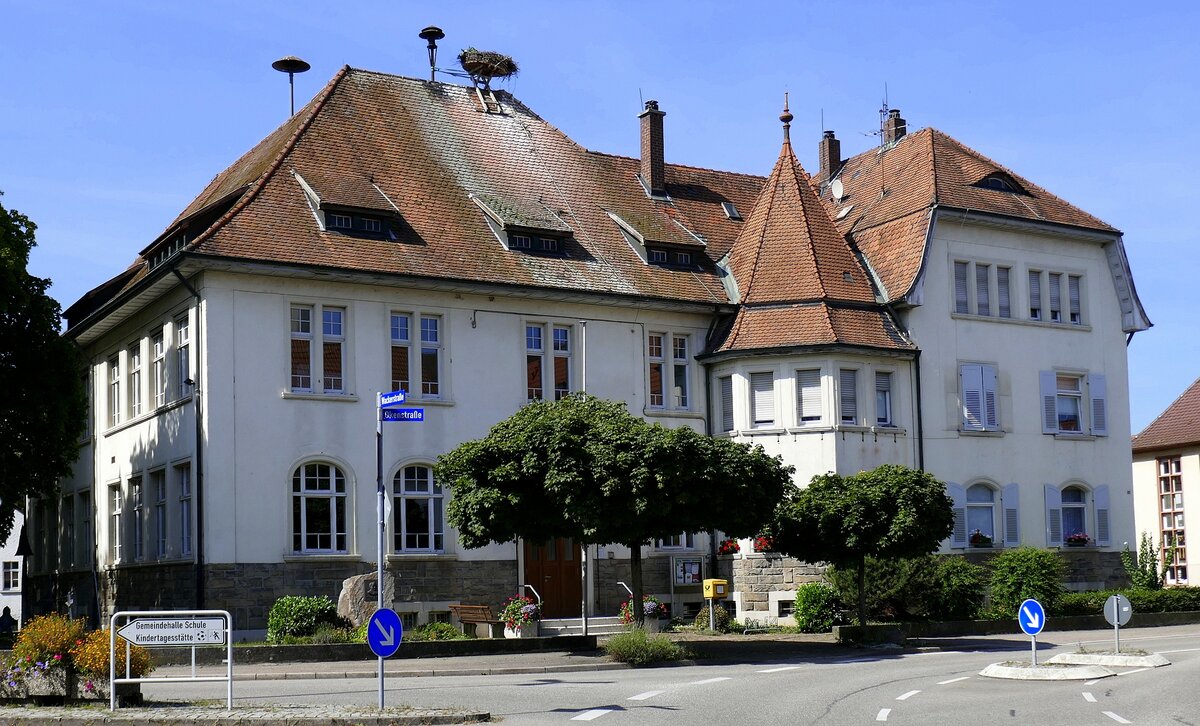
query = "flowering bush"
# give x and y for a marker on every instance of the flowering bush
(518, 611)
(729, 547)
(652, 607)
(764, 543)
(1078, 538)
(90, 656)
(47, 638)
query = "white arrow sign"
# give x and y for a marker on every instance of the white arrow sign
(1032, 618)
(165, 632)
(389, 635)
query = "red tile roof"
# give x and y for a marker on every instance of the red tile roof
(890, 192)
(1177, 426)
(798, 280)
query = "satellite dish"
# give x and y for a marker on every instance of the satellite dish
(836, 189)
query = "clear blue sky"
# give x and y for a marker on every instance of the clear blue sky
(116, 114)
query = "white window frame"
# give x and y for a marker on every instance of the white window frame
(764, 413)
(1171, 519)
(978, 506)
(885, 399)
(980, 289)
(681, 541)
(810, 397)
(400, 342)
(158, 347)
(305, 488)
(1093, 402)
(1056, 296)
(183, 478)
(725, 387)
(183, 362)
(158, 482)
(674, 391)
(316, 326)
(114, 390)
(134, 383)
(12, 575)
(549, 346)
(116, 503)
(432, 341)
(425, 489)
(978, 397)
(138, 496)
(844, 396)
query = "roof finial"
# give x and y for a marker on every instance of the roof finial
(786, 117)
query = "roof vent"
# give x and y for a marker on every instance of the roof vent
(731, 211)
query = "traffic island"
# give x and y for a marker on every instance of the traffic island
(1020, 671)
(1113, 660)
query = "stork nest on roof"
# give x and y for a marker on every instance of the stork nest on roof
(487, 64)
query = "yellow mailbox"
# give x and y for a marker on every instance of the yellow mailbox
(715, 589)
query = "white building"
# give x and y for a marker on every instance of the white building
(403, 234)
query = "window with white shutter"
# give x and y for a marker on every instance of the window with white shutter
(1073, 403)
(808, 396)
(1035, 295)
(883, 398)
(958, 536)
(980, 407)
(961, 296)
(1009, 498)
(762, 399)
(1098, 395)
(726, 384)
(848, 396)
(1054, 523)
(1100, 502)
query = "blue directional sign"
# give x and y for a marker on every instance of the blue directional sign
(384, 632)
(392, 399)
(416, 415)
(1031, 616)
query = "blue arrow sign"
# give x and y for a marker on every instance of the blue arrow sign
(384, 631)
(1031, 617)
(392, 399)
(402, 414)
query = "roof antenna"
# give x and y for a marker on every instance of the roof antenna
(432, 34)
(291, 65)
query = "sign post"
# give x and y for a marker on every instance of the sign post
(384, 630)
(1117, 611)
(1032, 618)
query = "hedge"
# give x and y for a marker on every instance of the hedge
(1171, 600)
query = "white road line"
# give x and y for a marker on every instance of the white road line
(644, 696)
(777, 670)
(883, 714)
(596, 713)
(906, 696)
(953, 680)
(1184, 650)
(1087, 696)
(1115, 717)
(1136, 670)
(1092, 683)
(709, 680)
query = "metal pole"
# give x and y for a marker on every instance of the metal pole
(379, 493)
(1117, 634)
(292, 92)
(583, 565)
(1034, 639)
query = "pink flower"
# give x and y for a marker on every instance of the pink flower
(57, 656)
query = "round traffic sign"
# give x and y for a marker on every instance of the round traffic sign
(384, 632)
(1117, 610)
(1031, 617)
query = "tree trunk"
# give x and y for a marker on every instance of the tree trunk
(635, 574)
(862, 591)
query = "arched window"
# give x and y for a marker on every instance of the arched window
(981, 515)
(419, 521)
(1074, 512)
(318, 508)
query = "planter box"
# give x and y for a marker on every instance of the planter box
(530, 630)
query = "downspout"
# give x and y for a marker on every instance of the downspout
(920, 419)
(199, 564)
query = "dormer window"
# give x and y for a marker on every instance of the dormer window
(370, 224)
(520, 242)
(683, 258)
(1001, 183)
(731, 211)
(340, 221)
(658, 257)
(547, 244)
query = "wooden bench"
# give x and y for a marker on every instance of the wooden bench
(482, 617)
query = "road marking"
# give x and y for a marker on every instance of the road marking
(906, 696)
(644, 696)
(709, 680)
(596, 713)
(953, 680)
(883, 714)
(1087, 696)
(1136, 670)
(780, 668)
(1115, 717)
(1184, 650)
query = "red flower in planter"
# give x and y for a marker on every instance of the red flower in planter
(729, 547)
(764, 543)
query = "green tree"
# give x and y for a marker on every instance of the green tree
(586, 468)
(1146, 573)
(42, 403)
(889, 512)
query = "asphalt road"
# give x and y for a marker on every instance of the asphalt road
(940, 686)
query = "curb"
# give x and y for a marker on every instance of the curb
(263, 716)
(374, 673)
(1046, 672)
(1116, 660)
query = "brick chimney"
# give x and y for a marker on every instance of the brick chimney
(829, 152)
(894, 127)
(654, 172)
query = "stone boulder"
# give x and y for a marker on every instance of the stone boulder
(356, 602)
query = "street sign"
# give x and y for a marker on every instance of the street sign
(392, 399)
(1031, 617)
(166, 632)
(1117, 610)
(416, 415)
(384, 632)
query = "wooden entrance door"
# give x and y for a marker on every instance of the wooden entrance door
(552, 567)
